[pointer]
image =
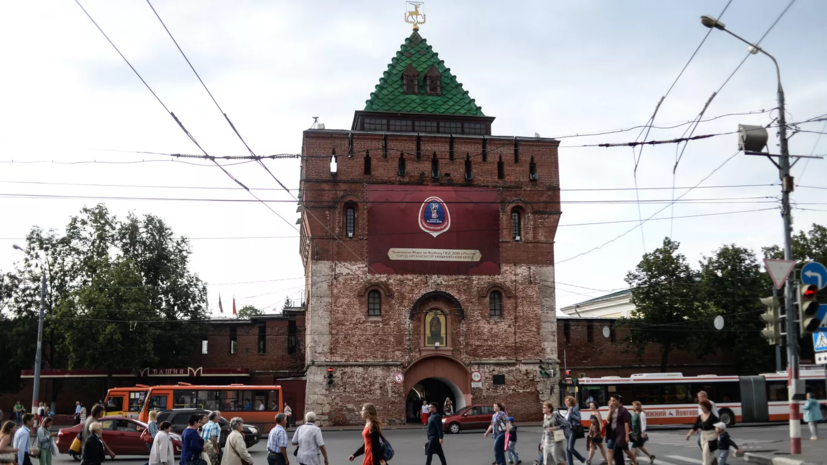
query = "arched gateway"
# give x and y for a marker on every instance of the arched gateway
(434, 378)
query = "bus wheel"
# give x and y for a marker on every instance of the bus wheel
(727, 417)
(823, 413)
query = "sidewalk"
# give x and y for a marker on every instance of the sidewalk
(778, 453)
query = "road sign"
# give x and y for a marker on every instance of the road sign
(814, 273)
(779, 270)
(399, 378)
(821, 358)
(820, 342)
(476, 376)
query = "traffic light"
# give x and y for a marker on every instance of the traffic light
(568, 373)
(808, 308)
(772, 317)
(330, 377)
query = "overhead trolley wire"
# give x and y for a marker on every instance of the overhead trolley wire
(178, 121)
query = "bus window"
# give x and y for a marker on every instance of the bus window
(158, 402)
(246, 400)
(592, 394)
(231, 400)
(259, 400)
(209, 400)
(625, 391)
(816, 388)
(275, 403)
(647, 394)
(777, 391)
(115, 404)
(184, 399)
(729, 392)
(676, 394)
(136, 401)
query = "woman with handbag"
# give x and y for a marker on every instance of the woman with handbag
(595, 437)
(44, 441)
(161, 452)
(554, 436)
(371, 446)
(498, 428)
(575, 430)
(639, 429)
(235, 451)
(94, 452)
(7, 452)
(705, 423)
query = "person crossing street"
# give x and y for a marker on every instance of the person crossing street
(435, 435)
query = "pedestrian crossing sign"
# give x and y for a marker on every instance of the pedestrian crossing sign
(820, 342)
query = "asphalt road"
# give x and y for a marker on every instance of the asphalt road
(669, 446)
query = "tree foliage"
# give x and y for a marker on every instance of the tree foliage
(121, 295)
(248, 310)
(731, 283)
(664, 292)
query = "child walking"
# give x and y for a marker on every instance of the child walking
(513, 458)
(724, 443)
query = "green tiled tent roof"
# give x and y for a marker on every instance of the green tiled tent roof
(390, 93)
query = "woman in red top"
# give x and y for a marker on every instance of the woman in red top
(373, 431)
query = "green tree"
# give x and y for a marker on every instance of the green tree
(664, 292)
(731, 284)
(121, 295)
(248, 311)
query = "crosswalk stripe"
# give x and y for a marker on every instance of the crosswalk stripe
(662, 462)
(686, 459)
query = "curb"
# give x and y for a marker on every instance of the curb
(767, 459)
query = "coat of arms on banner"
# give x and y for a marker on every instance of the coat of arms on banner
(434, 217)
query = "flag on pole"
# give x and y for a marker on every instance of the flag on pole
(220, 307)
(235, 313)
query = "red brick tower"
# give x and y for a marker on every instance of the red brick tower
(428, 247)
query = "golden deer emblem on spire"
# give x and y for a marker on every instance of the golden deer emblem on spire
(414, 16)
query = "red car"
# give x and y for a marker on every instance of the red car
(122, 435)
(472, 417)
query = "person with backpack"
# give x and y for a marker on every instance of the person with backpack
(372, 447)
(435, 435)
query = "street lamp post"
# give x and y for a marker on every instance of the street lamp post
(787, 185)
(39, 354)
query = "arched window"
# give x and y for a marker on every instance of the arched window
(516, 226)
(350, 221)
(495, 304)
(374, 303)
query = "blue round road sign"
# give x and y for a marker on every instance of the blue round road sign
(814, 273)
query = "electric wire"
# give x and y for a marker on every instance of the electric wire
(177, 120)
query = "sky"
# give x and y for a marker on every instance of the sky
(553, 68)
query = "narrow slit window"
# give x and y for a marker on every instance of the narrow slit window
(402, 164)
(434, 166)
(233, 340)
(367, 162)
(516, 226)
(350, 222)
(500, 169)
(469, 173)
(262, 339)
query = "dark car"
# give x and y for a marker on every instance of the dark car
(471, 417)
(179, 418)
(122, 435)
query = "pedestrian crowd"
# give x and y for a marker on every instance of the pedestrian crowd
(622, 433)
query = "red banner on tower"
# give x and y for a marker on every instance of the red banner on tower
(433, 230)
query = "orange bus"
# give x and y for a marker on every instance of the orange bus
(254, 404)
(126, 401)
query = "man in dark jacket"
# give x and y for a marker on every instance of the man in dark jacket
(435, 434)
(620, 423)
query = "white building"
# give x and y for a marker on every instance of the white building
(615, 305)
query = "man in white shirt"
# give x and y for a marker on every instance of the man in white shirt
(77, 412)
(21, 439)
(703, 396)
